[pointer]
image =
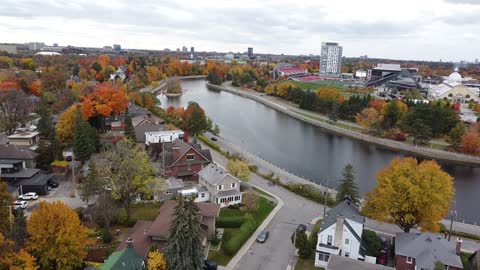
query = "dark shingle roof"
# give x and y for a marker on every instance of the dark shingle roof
(11, 151)
(141, 241)
(427, 248)
(341, 263)
(23, 173)
(344, 209)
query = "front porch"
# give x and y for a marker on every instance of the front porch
(228, 197)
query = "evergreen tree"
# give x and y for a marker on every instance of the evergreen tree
(455, 136)
(82, 143)
(129, 129)
(348, 187)
(19, 230)
(301, 242)
(421, 133)
(184, 245)
(91, 185)
(45, 155)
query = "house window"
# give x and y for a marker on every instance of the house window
(234, 185)
(169, 192)
(409, 260)
(347, 241)
(329, 240)
(190, 156)
(220, 187)
(203, 195)
(323, 256)
(347, 254)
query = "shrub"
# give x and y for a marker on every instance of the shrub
(236, 241)
(60, 163)
(310, 192)
(208, 142)
(253, 168)
(107, 236)
(230, 222)
(372, 243)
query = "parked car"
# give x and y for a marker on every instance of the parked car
(28, 196)
(20, 205)
(213, 139)
(52, 183)
(210, 265)
(263, 236)
(301, 228)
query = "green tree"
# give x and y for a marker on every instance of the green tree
(455, 136)
(410, 194)
(421, 133)
(348, 187)
(129, 129)
(82, 141)
(45, 155)
(301, 242)
(439, 266)
(19, 230)
(372, 243)
(96, 66)
(214, 78)
(393, 113)
(5, 201)
(129, 171)
(91, 185)
(216, 130)
(184, 245)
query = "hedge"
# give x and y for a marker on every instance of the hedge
(444, 229)
(208, 142)
(310, 192)
(236, 242)
(230, 222)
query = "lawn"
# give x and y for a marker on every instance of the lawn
(307, 264)
(140, 211)
(261, 192)
(236, 237)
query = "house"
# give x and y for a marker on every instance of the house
(340, 234)
(141, 131)
(21, 180)
(337, 262)
(422, 250)
(147, 233)
(14, 152)
(25, 138)
(127, 259)
(121, 73)
(223, 187)
(182, 160)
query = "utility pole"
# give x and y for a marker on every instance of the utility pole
(325, 202)
(452, 212)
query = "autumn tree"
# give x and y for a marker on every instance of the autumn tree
(174, 85)
(370, 118)
(129, 171)
(18, 234)
(5, 202)
(56, 237)
(156, 261)
(103, 60)
(348, 188)
(470, 141)
(92, 184)
(455, 136)
(53, 79)
(13, 259)
(393, 113)
(66, 125)
(410, 194)
(250, 201)
(184, 246)
(326, 97)
(195, 119)
(239, 169)
(284, 88)
(13, 107)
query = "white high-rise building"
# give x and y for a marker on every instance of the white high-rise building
(331, 58)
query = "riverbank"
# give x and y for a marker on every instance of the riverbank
(423, 152)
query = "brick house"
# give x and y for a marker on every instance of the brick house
(422, 250)
(182, 160)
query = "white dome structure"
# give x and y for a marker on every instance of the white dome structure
(48, 53)
(455, 77)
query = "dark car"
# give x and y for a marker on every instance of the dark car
(52, 184)
(262, 237)
(210, 265)
(213, 139)
(301, 228)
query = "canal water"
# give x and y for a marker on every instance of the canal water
(308, 151)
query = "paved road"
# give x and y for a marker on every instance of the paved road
(277, 251)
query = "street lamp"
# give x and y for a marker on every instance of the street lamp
(452, 212)
(325, 202)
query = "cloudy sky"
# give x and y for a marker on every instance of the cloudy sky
(406, 29)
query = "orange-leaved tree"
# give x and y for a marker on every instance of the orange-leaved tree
(104, 101)
(56, 237)
(410, 194)
(15, 260)
(66, 126)
(470, 141)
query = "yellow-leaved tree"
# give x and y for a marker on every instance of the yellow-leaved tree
(283, 88)
(156, 261)
(410, 194)
(15, 260)
(56, 237)
(65, 126)
(239, 169)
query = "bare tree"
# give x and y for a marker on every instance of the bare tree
(13, 109)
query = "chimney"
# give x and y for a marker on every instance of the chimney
(129, 242)
(459, 246)
(339, 231)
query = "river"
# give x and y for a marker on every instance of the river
(308, 151)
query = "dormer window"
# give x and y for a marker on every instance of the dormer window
(190, 156)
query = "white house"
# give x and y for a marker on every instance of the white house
(340, 234)
(224, 188)
(163, 136)
(199, 192)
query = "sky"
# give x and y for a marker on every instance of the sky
(405, 29)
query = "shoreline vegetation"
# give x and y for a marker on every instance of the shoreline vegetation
(422, 152)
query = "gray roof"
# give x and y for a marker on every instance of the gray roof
(23, 173)
(344, 209)
(174, 183)
(427, 248)
(11, 151)
(214, 175)
(39, 179)
(10, 161)
(228, 193)
(341, 263)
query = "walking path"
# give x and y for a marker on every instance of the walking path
(449, 157)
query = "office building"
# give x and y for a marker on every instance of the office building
(35, 46)
(250, 52)
(117, 47)
(192, 50)
(184, 49)
(331, 58)
(8, 48)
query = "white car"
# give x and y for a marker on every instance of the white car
(28, 196)
(20, 204)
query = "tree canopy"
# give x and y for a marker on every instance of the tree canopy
(239, 169)
(348, 188)
(410, 194)
(195, 119)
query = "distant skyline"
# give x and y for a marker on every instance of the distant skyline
(408, 30)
